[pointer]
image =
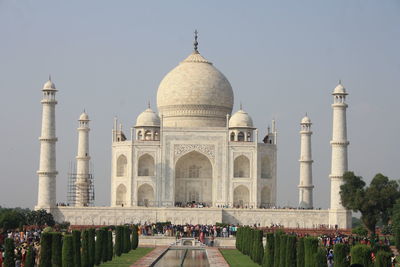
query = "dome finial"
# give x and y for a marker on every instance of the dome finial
(148, 104)
(241, 106)
(195, 43)
(49, 77)
(340, 81)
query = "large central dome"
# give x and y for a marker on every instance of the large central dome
(194, 94)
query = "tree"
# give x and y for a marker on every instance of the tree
(127, 239)
(99, 247)
(383, 259)
(11, 218)
(258, 246)
(40, 217)
(30, 258)
(340, 252)
(282, 247)
(110, 245)
(56, 250)
(9, 256)
(105, 245)
(45, 249)
(68, 251)
(361, 254)
(374, 202)
(135, 237)
(291, 251)
(300, 252)
(76, 243)
(277, 251)
(85, 249)
(92, 246)
(310, 248)
(118, 239)
(268, 260)
(320, 258)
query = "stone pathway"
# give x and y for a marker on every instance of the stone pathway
(215, 258)
(150, 257)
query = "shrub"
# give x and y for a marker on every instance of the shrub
(268, 259)
(135, 237)
(277, 251)
(282, 252)
(253, 250)
(85, 262)
(45, 249)
(109, 245)
(99, 247)
(68, 252)
(310, 248)
(105, 245)
(291, 251)
(30, 257)
(118, 238)
(258, 246)
(361, 254)
(340, 252)
(56, 250)
(320, 258)
(237, 241)
(9, 256)
(92, 246)
(383, 259)
(300, 252)
(76, 243)
(127, 239)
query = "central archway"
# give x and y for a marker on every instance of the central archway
(193, 179)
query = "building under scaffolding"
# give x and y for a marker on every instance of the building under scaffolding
(72, 186)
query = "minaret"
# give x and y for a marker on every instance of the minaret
(47, 167)
(305, 186)
(82, 162)
(339, 145)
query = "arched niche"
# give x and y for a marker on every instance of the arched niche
(146, 195)
(146, 165)
(241, 167)
(120, 195)
(121, 166)
(265, 167)
(241, 196)
(266, 197)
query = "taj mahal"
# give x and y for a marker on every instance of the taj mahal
(193, 160)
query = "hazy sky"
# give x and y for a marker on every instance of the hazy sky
(283, 59)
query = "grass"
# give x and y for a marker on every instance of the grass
(126, 260)
(236, 259)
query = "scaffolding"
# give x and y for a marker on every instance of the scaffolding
(71, 191)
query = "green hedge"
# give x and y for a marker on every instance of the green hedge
(9, 256)
(85, 249)
(99, 247)
(291, 251)
(383, 259)
(277, 251)
(109, 245)
(92, 246)
(320, 258)
(282, 252)
(361, 254)
(68, 252)
(135, 237)
(45, 249)
(258, 247)
(56, 250)
(76, 244)
(300, 253)
(340, 252)
(104, 254)
(30, 257)
(310, 248)
(268, 260)
(118, 239)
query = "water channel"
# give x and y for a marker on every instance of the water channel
(183, 258)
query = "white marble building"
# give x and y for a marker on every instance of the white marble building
(192, 150)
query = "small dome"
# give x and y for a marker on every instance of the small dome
(148, 118)
(240, 120)
(49, 85)
(339, 89)
(306, 120)
(84, 117)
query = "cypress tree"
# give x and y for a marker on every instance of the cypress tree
(135, 237)
(105, 245)
(291, 251)
(92, 246)
(340, 252)
(127, 239)
(361, 254)
(118, 245)
(68, 251)
(283, 247)
(45, 249)
(397, 237)
(383, 259)
(9, 256)
(253, 245)
(320, 258)
(76, 243)
(249, 241)
(237, 241)
(99, 247)
(30, 258)
(85, 249)
(56, 250)
(310, 248)
(110, 245)
(300, 253)
(277, 251)
(268, 259)
(259, 247)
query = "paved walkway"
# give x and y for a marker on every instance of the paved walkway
(150, 257)
(215, 258)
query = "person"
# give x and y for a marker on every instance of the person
(330, 258)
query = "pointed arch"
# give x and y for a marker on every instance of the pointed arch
(121, 195)
(121, 166)
(146, 195)
(240, 137)
(266, 197)
(241, 167)
(265, 167)
(241, 196)
(146, 165)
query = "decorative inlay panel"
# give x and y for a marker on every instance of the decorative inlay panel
(208, 150)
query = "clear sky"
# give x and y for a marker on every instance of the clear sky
(283, 59)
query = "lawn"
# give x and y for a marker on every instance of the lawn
(236, 259)
(126, 260)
